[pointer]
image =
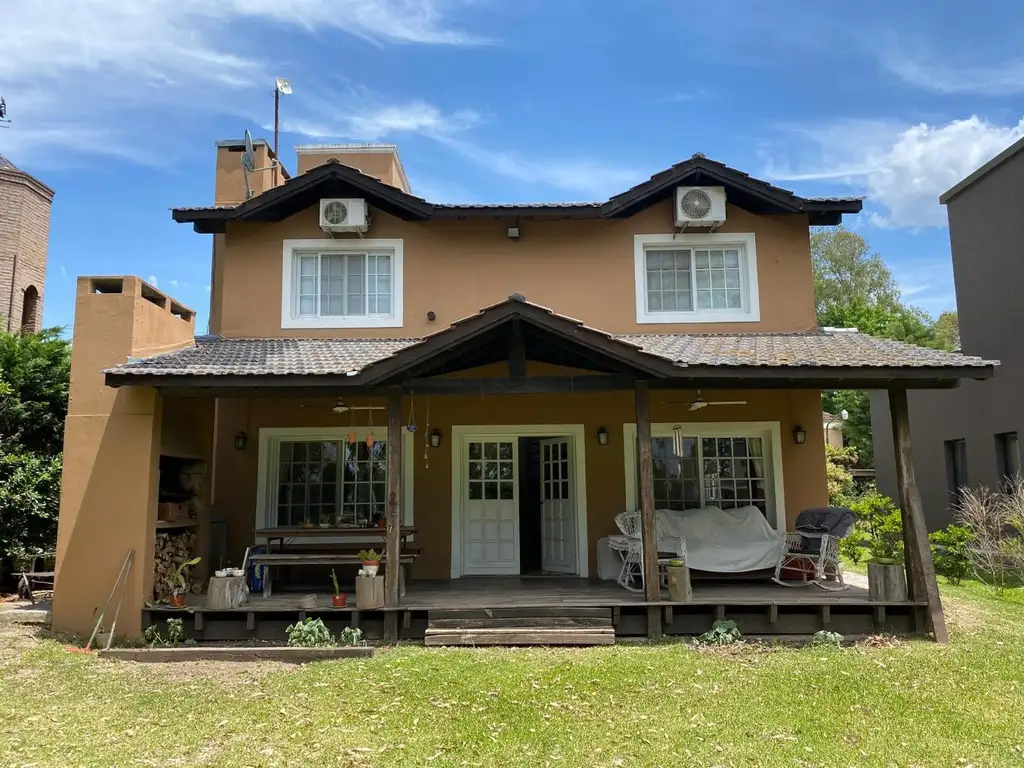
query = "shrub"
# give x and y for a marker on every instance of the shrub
(838, 475)
(879, 518)
(950, 552)
(310, 633)
(996, 522)
(722, 632)
(351, 636)
(824, 637)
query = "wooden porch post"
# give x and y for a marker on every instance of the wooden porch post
(392, 537)
(649, 535)
(920, 569)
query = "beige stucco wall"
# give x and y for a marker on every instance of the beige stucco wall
(383, 165)
(236, 471)
(581, 268)
(111, 452)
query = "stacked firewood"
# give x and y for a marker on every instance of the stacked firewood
(172, 549)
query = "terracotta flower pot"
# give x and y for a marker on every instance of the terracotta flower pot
(176, 601)
(338, 601)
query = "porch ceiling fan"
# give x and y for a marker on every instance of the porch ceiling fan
(699, 402)
(340, 407)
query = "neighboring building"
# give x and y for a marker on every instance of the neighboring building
(24, 236)
(526, 344)
(832, 427)
(969, 437)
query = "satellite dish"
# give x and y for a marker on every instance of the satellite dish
(249, 163)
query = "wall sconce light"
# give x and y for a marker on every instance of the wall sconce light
(602, 436)
(435, 438)
(513, 233)
(799, 435)
(240, 441)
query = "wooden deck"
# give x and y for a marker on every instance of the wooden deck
(761, 608)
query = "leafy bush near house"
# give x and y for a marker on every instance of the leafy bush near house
(950, 552)
(311, 633)
(837, 473)
(996, 522)
(722, 632)
(880, 524)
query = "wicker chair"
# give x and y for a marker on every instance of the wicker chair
(812, 549)
(629, 545)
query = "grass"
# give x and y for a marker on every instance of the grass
(910, 704)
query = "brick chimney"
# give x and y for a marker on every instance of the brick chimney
(229, 188)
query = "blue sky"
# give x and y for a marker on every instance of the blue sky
(117, 106)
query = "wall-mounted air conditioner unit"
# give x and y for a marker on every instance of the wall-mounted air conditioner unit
(343, 214)
(700, 206)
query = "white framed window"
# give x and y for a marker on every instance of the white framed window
(342, 283)
(313, 475)
(723, 464)
(696, 278)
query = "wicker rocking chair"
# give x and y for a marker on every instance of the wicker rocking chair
(629, 545)
(812, 550)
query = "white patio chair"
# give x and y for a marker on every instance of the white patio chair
(629, 545)
(813, 548)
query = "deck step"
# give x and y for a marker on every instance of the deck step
(538, 612)
(521, 636)
(523, 622)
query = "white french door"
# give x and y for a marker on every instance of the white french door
(557, 506)
(490, 506)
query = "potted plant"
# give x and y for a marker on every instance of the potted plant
(371, 561)
(338, 599)
(179, 584)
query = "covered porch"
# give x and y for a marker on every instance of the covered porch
(427, 434)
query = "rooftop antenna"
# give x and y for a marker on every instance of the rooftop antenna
(249, 164)
(282, 85)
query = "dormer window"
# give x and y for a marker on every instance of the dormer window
(696, 278)
(342, 284)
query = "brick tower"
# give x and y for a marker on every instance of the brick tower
(24, 235)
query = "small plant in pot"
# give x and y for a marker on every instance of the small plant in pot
(370, 559)
(337, 599)
(179, 583)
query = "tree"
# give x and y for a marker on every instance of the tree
(947, 330)
(34, 376)
(853, 288)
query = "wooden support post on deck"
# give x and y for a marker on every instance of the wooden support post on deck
(648, 529)
(924, 587)
(392, 538)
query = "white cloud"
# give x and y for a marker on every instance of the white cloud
(63, 272)
(903, 169)
(152, 279)
(944, 75)
(74, 69)
(367, 120)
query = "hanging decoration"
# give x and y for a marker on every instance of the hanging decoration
(411, 425)
(677, 441)
(426, 439)
(369, 429)
(352, 436)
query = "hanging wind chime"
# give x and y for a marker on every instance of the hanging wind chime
(426, 439)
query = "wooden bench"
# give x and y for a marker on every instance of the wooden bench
(269, 559)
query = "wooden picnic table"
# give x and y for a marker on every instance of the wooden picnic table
(292, 532)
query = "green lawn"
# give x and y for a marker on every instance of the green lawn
(912, 704)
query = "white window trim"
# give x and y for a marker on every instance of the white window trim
(751, 311)
(770, 431)
(289, 300)
(578, 432)
(269, 466)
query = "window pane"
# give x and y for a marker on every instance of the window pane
(654, 303)
(732, 259)
(307, 305)
(703, 299)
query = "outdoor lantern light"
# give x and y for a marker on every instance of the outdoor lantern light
(240, 440)
(799, 435)
(602, 436)
(435, 438)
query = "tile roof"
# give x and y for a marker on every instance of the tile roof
(812, 349)
(820, 349)
(215, 356)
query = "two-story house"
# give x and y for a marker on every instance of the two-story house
(969, 437)
(492, 383)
